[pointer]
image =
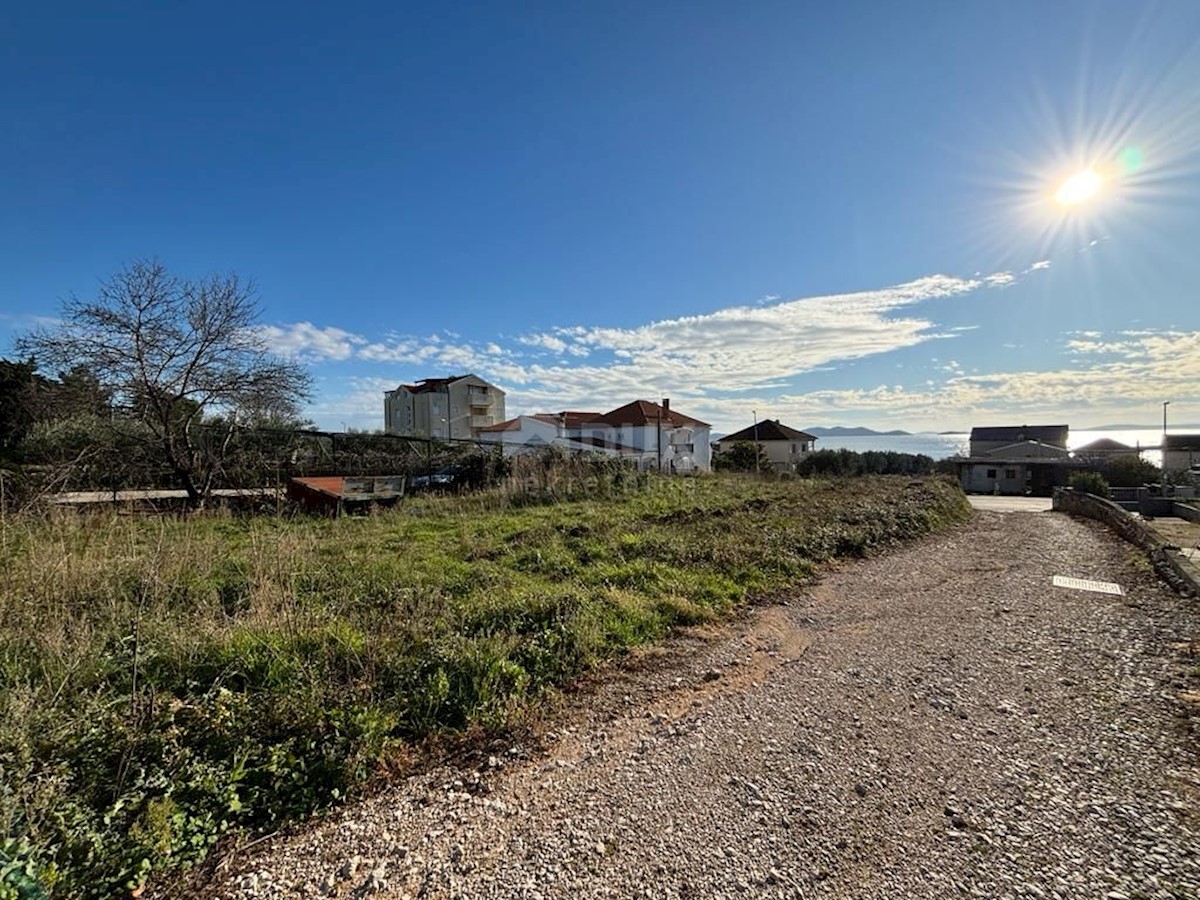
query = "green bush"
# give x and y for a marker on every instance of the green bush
(1131, 471)
(1089, 483)
(742, 456)
(840, 463)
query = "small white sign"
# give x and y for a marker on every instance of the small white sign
(1082, 584)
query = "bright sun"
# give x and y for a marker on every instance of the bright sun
(1079, 188)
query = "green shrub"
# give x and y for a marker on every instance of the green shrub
(1130, 471)
(841, 463)
(742, 456)
(1089, 483)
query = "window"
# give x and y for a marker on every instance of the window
(991, 473)
(1010, 473)
(793, 448)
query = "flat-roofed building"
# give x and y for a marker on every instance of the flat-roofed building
(454, 408)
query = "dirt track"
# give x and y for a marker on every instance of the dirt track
(939, 721)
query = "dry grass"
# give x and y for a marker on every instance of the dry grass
(168, 680)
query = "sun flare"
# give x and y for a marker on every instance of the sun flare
(1079, 188)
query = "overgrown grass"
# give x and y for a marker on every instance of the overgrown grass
(167, 681)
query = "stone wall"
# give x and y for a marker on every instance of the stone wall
(1172, 565)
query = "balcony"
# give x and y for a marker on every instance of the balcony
(479, 398)
(481, 421)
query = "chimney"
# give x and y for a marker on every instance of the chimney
(666, 405)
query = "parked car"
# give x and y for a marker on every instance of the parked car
(441, 479)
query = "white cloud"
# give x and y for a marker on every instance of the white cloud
(399, 350)
(306, 341)
(721, 364)
(1159, 365)
(741, 348)
(357, 404)
(546, 341)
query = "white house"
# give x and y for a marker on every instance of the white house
(654, 436)
(783, 446)
(528, 432)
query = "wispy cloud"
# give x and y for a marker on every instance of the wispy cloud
(306, 341)
(716, 363)
(741, 348)
(1157, 365)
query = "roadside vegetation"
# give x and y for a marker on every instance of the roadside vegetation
(1089, 483)
(167, 682)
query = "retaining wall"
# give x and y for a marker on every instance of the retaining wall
(1172, 565)
(1187, 511)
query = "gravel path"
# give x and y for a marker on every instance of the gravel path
(936, 722)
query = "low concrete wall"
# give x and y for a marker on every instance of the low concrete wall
(1172, 565)
(1156, 506)
(1187, 511)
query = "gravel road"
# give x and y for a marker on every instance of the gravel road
(936, 722)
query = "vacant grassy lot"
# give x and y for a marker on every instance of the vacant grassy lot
(166, 681)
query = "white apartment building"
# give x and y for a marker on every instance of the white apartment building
(454, 408)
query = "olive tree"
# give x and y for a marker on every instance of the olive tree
(183, 360)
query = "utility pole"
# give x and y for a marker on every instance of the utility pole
(658, 439)
(757, 449)
(1166, 403)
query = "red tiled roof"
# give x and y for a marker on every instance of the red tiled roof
(643, 412)
(510, 425)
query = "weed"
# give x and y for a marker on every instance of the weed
(166, 682)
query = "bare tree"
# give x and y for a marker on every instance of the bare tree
(183, 359)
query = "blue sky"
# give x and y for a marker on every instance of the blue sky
(825, 213)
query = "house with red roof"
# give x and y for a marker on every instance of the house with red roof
(654, 436)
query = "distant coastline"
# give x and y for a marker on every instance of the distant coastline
(842, 431)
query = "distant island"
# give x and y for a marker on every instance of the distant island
(840, 431)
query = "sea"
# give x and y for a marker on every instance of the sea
(940, 446)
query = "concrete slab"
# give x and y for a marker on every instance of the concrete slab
(993, 503)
